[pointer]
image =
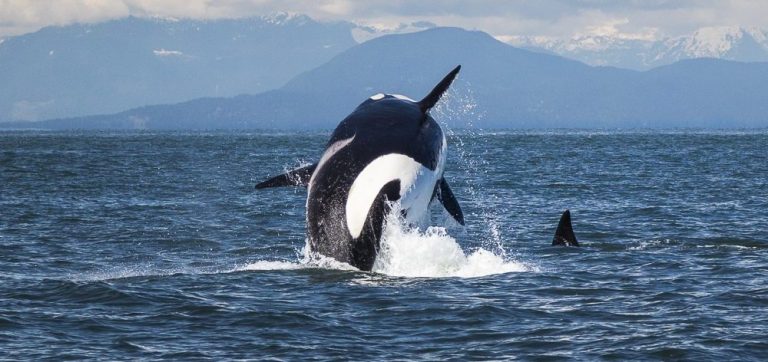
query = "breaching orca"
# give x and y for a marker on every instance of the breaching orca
(564, 234)
(389, 149)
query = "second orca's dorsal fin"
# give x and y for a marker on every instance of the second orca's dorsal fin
(564, 234)
(431, 99)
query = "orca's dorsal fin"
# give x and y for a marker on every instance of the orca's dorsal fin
(431, 99)
(297, 177)
(446, 197)
(564, 234)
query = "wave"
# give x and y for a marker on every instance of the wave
(405, 251)
(143, 270)
(701, 243)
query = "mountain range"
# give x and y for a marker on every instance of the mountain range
(109, 67)
(289, 71)
(500, 86)
(641, 53)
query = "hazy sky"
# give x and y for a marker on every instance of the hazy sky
(561, 18)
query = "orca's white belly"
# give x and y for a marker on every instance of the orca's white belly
(417, 184)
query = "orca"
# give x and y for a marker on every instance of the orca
(564, 235)
(388, 150)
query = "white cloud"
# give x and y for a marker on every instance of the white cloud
(167, 53)
(562, 18)
(21, 16)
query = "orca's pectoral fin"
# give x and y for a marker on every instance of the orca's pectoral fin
(445, 195)
(564, 234)
(297, 177)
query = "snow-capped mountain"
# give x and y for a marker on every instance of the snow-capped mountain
(726, 42)
(732, 43)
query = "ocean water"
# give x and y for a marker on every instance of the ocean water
(123, 246)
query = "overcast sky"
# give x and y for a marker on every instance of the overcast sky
(559, 18)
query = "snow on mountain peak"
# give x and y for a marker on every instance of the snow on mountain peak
(610, 30)
(284, 18)
(364, 32)
(712, 41)
(607, 45)
(717, 42)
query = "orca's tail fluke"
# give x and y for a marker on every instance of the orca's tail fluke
(431, 99)
(564, 234)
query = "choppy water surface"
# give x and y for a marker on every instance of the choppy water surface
(155, 245)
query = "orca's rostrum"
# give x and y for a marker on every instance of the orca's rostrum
(389, 149)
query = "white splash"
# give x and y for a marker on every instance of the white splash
(432, 253)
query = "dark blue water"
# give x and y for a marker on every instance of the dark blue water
(155, 245)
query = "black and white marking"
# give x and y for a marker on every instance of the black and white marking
(389, 149)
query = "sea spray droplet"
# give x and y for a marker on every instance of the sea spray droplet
(458, 108)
